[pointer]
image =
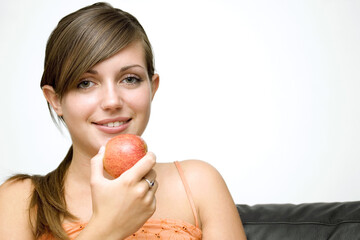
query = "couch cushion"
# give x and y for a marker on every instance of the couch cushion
(310, 221)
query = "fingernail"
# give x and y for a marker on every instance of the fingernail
(102, 149)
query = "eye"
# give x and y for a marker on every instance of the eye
(131, 80)
(85, 84)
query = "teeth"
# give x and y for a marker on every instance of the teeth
(113, 124)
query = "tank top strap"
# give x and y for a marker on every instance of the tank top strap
(188, 192)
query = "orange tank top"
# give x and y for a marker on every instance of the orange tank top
(154, 228)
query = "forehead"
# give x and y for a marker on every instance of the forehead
(132, 54)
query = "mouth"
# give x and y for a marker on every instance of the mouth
(111, 125)
(114, 124)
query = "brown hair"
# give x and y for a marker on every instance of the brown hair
(87, 37)
(80, 40)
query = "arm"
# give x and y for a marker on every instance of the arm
(14, 210)
(217, 210)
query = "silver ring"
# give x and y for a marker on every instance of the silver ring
(151, 183)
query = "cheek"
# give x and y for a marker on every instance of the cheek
(140, 101)
(77, 107)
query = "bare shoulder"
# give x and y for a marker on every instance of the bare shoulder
(171, 193)
(198, 166)
(196, 172)
(17, 191)
(218, 216)
(16, 184)
(215, 205)
(15, 196)
(201, 174)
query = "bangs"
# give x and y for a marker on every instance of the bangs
(95, 41)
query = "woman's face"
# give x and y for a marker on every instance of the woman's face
(113, 97)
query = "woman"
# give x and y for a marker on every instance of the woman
(99, 80)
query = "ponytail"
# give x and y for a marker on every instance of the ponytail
(48, 200)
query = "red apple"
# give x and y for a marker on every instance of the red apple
(122, 152)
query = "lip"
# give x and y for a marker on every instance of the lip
(112, 130)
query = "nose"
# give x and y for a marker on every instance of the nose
(111, 97)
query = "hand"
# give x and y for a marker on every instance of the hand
(124, 204)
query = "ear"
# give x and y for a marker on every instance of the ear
(154, 84)
(52, 98)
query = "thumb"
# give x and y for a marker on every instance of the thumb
(142, 167)
(97, 166)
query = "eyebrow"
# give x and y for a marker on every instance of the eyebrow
(123, 69)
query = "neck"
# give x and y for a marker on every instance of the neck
(80, 169)
(77, 187)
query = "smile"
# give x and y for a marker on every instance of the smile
(113, 124)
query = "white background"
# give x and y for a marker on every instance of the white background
(265, 91)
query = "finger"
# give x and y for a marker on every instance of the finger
(150, 199)
(151, 192)
(97, 165)
(150, 184)
(154, 188)
(142, 167)
(151, 175)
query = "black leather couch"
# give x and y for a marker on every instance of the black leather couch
(308, 221)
